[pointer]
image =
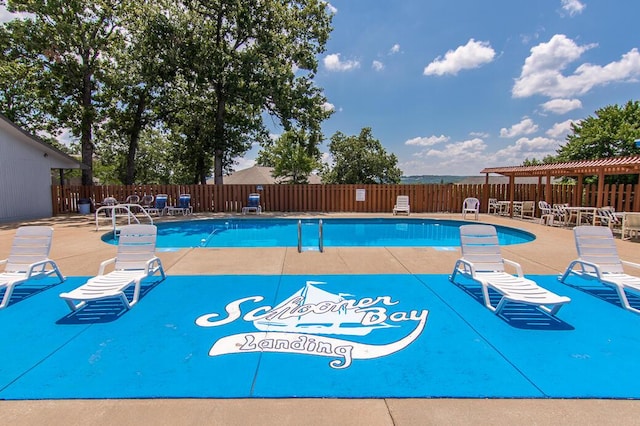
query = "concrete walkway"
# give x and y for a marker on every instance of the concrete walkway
(78, 250)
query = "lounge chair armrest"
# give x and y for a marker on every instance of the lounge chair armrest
(37, 265)
(515, 265)
(582, 264)
(104, 264)
(631, 264)
(467, 267)
(150, 264)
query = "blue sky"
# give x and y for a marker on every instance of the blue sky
(453, 86)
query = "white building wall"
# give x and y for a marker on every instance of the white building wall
(25, 178)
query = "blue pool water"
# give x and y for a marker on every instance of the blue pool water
(336, 233)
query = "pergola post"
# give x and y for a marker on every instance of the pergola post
(600, 199)
(512, 192)
(577, 197)
(547, 190)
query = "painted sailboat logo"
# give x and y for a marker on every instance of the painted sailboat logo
(300, 324)
(314, 319)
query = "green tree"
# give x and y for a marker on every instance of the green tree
(247, 60)
(133, 88)
(610, 133)
(293, 157)
(70, 41)
(22, 101)
(360, 159)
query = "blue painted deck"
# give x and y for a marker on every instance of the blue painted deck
(161, 347)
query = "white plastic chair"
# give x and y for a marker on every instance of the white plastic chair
(630, 225)
(402, 205)
(470, 205)
(546, 213)
(598, 260)
(28, 259)
(528, 209)
(483, 263)
(135, 261)
(493, 207)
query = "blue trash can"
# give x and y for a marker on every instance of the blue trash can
(84, 205)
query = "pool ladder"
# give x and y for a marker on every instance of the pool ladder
(320, 238)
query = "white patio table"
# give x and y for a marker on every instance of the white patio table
(578, 212)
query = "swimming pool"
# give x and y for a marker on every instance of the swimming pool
(361, 232)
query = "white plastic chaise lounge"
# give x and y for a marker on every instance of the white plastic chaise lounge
(28, 259)
(483, 263)
(402, 205)
(598, 260)
(135, 261)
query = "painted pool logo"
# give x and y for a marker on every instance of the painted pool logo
(300, 324)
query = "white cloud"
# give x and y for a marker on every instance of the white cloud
(542, 70)
(462, 158)
(561, 106)
(524, 127)
(427, 141)
(332, 8)
(377, 65)
(471, 55)
(458, 150)
(538, 147)
(327, 106)
(394, 49)
(574, 7)
(333, 63)
(560, 130)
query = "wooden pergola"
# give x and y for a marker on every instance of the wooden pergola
(578, 169)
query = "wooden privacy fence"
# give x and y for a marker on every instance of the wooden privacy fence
(431, 198)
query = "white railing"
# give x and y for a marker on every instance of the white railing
(111, 214)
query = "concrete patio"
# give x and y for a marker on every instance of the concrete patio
(78, 250)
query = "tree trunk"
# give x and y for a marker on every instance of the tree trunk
(85, 129)
(218, 137)
(134, 139)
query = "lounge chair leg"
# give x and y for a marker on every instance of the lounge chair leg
(7, 296)
(73, 306)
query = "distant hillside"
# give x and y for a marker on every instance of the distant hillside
(431, 179)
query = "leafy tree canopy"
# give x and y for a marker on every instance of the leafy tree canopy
(360, 159)
(293, 157)
(610, 133)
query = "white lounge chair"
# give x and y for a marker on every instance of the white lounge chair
(135, 261)
(598, 260)
(28, 259)
(482, 262)
(470, 205)
(402, 205)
